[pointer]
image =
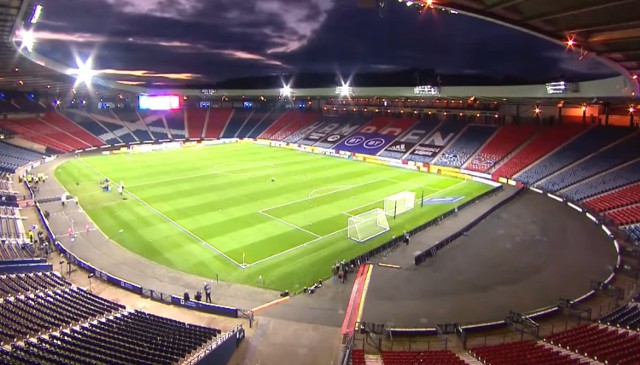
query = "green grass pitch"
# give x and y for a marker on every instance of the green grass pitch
(283, 212)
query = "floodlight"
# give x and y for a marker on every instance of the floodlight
(345, 90)
(37, 13)
(84, 74)
(285, 91)
(537, 110)
(27, 39)
(632, 109)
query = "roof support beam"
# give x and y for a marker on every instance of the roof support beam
(631, 24)
(503, 4)
(577, 10)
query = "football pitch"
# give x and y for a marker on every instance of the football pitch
(248, 213)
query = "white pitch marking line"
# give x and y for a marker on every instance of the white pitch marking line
(340, 187)
(413, 184)
(289, 224)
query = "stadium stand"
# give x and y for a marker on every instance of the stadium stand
(238, 118)
(438, 140)
(615, 155)
(85, 121)
(156, 124)
(108, 120)
(469, 141)
(37, 131)
(46, 320)
(523, 353)
(610, 180)
(281, 123)
(254, 119)
(602, 343)
(60, 121)
(175, 123)
(196, 118)
(131, 120)
(633, 231)
(441, 357)
(591, 140)
(626, 195)
(626, 316)
(625, 216)
(298, 129)
(540, 145)
(405, 142)
(217, 122)
(264, 124)
(505, 141)
(19, 284)
(12, 157)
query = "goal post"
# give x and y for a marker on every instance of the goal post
(399, 203)
(367, 225)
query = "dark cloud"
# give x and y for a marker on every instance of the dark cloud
(220, 39)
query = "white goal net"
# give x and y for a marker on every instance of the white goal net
(367, 225)
(399, 203)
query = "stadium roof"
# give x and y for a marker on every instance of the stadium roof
(608, 29)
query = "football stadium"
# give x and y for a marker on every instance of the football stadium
(302, 217)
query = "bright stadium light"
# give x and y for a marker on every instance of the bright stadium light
(37, 13)
(345, 90)
(285, 91)
(84, 73)
(27, 39)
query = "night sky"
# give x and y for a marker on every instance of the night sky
(169, 41)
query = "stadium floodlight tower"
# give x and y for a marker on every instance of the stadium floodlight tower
(367, 225)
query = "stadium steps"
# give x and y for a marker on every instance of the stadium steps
(473, 155)
(468, 359)
(507, 157)
(71, 136)
(515, 177)
(249, 117)
(574, 163)
(571, 354)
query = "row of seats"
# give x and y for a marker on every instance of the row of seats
(585, 144)
(523, 353)
(615, 155)
(16, 249)
(10, 229)
(134, 338)
(544, 142)
(601, 343)
(440, 357)
(633, 231)
(466, 145)
(12, 157)
(607, 181)
(628, 195)
(626, 316)
(19, 284)
(625, 216)
(505, 141)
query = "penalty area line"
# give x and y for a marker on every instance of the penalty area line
(289, 224)
(170, 221)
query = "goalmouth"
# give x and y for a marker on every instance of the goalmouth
(367, 225)
(399, 203)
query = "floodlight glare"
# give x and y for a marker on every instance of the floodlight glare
(285, 91)
(37, 13)
(84, 74)
(27, 39)
(345, 90)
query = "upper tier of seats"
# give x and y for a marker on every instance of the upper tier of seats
(506, 140)
(615, 155)
(587, 143)
(440, 357)
(602, 343)
(544, 142)
(469, 141)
